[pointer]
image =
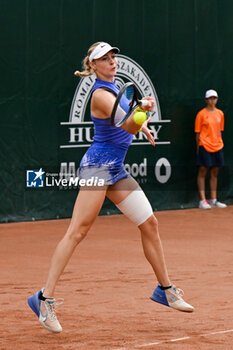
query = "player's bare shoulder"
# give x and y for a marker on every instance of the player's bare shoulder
(102, 103)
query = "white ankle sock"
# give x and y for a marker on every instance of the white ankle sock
(213, 201)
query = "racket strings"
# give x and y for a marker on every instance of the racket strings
(125, 104)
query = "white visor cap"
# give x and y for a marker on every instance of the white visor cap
(101, 50)
(210, 93)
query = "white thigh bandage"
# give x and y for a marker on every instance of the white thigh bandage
(136, 207)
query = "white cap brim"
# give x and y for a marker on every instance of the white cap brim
(101, 50)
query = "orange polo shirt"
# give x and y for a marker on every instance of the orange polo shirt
(209, 125)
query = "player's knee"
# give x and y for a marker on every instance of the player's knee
(202, 171)
(77, 234)
(150, 227)
(214, 173)
(83, 230)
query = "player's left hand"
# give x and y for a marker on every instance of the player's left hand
(149, 133)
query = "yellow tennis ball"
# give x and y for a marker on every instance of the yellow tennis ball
(140, 117)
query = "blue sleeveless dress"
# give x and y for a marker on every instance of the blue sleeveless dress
(105, 158)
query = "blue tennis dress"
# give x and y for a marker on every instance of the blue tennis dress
(105, 158)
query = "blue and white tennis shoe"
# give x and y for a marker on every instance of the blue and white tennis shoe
(45, 311)
(171, 297)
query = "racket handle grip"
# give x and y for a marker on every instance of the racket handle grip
(144, 103)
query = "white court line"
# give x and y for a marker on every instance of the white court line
(175, 340)
(220, 332)
(179, 339)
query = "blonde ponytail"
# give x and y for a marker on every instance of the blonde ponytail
(86, 63)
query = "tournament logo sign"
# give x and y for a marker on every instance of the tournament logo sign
(79, 130)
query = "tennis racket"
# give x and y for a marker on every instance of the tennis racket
(126, 102)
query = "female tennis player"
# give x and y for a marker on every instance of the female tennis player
(105, 159)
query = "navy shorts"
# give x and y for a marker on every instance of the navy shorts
(210, 159)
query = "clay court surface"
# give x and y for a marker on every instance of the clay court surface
(107, 285)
